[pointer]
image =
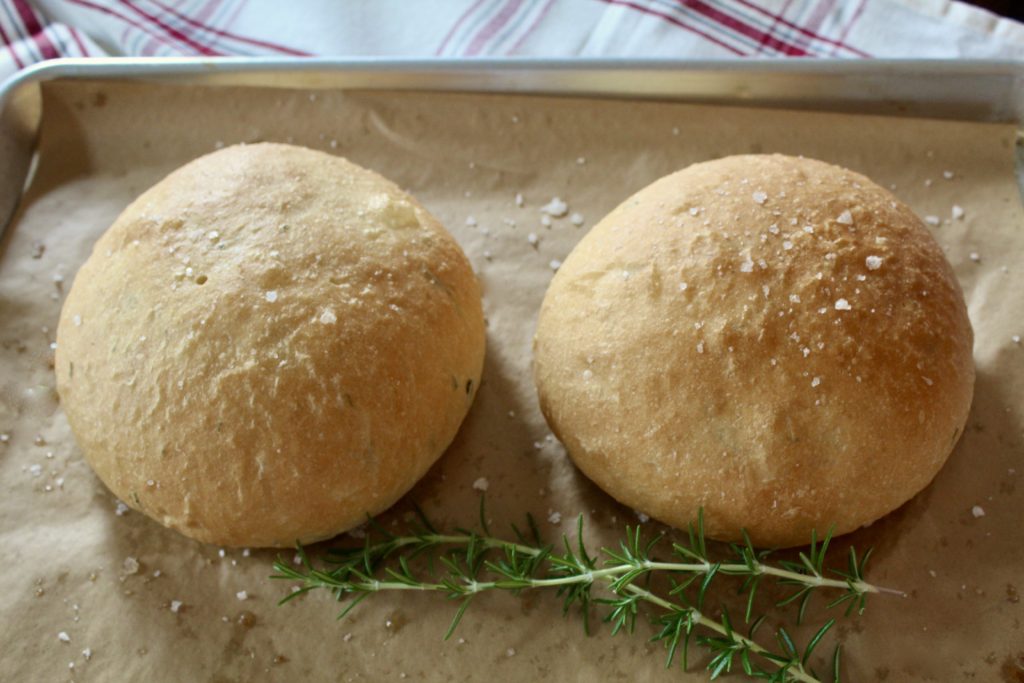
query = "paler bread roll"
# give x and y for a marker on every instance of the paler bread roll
(269, 345)
(776, 340)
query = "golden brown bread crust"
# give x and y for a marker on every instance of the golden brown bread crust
(775, 339)
(268, 345)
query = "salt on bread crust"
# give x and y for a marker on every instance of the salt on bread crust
(269, 345)
(776, 340)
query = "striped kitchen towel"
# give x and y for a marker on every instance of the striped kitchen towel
(34, 30)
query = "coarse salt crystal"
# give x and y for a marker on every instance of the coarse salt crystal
(842, 305)
(759, 197)
(932, 220)
(694, 210)
(816, 381)
(975, 256)
(773, 229)
(64, 637)
(556, 207)
(809, 229)
(271, 296)
(576, 219)
(120, 509)
(328, 317)
(554, 264)
(642, 517)
(87, 653)
(533, 239)
(175, 606)
(481, 484)
(587, 375)
(787, 245)
(213, 235)
(581, 160)
(795, 298)
(130, 565)
(948, 175)
(873, 262)
(957, 212)
(545, 220)
(511, 652)
(845, 218)
(35, 470)
(683, 286)
(242, 595)
(519, 199)
(555, 517)
(1015, 339)
(700, 347)
(471, 221)
(978, 511)
(77, 320)
(747, 266)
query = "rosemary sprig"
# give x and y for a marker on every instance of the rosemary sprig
(527, 563)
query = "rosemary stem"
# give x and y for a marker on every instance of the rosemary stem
(697, 617)
(607, 574)
(701, 567)
(619, 572)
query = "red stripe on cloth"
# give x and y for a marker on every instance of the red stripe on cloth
(675, 22)
(35, 30)
(536, 22)
(196, 23)
(496, 23)
(78, 41)
(742, 28)
(10, 47)
(466, 14)
(171, 31)
(128, 20)
(775, 22)
(780, 18)
(819, 12)
(853, 20)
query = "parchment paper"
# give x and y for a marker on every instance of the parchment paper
(72, 564)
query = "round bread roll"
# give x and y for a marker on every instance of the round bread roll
(269, 345)
(775, 340)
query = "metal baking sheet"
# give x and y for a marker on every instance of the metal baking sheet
(939, 631)
(968, 90)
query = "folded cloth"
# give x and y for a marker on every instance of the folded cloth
(34, 30)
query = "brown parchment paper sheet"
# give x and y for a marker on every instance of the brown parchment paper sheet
(68, 557)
